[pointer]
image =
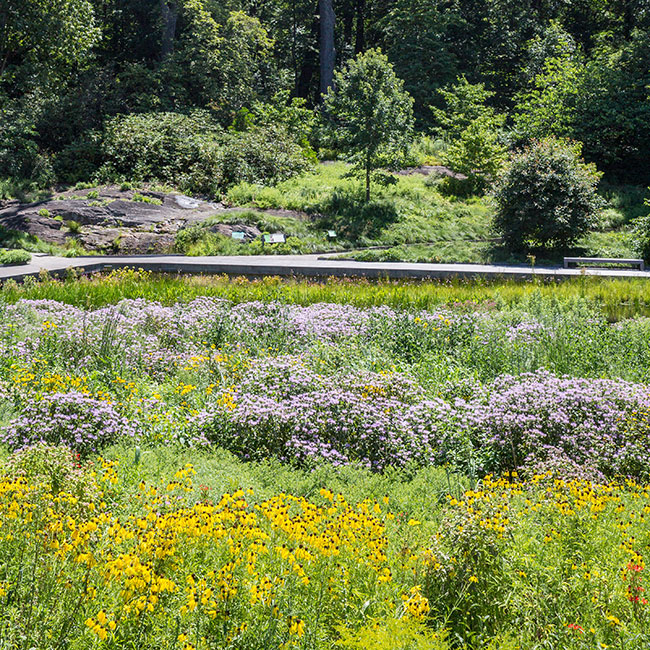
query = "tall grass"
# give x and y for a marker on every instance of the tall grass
(619, 298)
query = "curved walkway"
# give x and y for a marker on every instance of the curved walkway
(313, 266)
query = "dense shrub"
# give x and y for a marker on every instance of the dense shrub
(191, 152)
(15, 257)
(157, 146)
(642, 236)
(82, 423)
(546, 196)
(260, 155)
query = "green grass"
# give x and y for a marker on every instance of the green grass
(418, 223)
(408, 211)
(619, 298)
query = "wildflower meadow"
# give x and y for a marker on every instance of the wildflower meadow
(263, 470)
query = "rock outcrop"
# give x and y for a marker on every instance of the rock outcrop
(108, 219)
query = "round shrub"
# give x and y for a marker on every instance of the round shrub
(82, 423)
(546, 196)
(158, 146)
(263, 155)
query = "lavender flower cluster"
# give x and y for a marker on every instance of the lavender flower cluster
(372, 419)
(532, 422)
(73, 419)
(147, 335)
(583, 427)
(291, 407)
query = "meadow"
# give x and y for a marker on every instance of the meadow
(202, 463)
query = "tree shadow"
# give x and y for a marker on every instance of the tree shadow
(352, 217)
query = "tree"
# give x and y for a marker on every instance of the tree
(464, 103)
(546, 196)
(220, 66)
(603, 102)
(371, 113)
(476, 153)
(548, 109)
(327, 51)
(48, 35)
(472, 128)
(416, 36)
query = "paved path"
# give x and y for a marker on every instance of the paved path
(300, 265)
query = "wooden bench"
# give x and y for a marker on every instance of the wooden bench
(602, 261)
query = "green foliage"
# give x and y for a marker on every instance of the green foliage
(602, 101)
(546, 196)
(555, 43)
(417, 37)
(223, 66)
(260, 155)
(158, 146)
(10, 257)
(79, 160)
(472, 128)
(477, 153)
(617, 298)
(393, 634)
(21, 157)
(371, 113)
(193, 153)
(548, 109)
(285, 111)
(642, 235)
(464, 104)
(47, 37)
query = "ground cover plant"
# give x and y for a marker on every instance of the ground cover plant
(249, 471)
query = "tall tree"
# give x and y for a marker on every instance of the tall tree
(50, 36)
(327, 49)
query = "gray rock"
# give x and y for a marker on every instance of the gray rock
(186, 202)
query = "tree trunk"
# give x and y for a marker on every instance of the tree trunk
(169, 12)
(367, 176)
(360, 41)
(327, 51)
(304, 87)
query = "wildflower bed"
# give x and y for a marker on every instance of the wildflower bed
(266, 474)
